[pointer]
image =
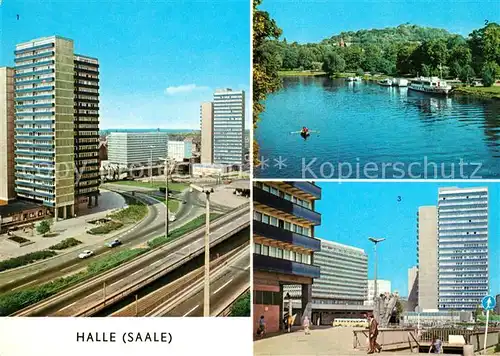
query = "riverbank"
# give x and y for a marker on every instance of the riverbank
(299, 73)
(481, 92)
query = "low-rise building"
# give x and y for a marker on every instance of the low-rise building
(180, 150)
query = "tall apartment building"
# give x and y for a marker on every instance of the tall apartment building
(427, 257)
(463, 247)
(284, 246)
(86, 126)
(7, 192)
(44, 86)
(137, 148)
(383, 287)
(228, 126)
(207, 130)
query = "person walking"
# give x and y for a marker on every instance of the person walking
(261, 330)
(306, 325)
(373, 334)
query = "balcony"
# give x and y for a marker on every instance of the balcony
(281, 206)
(34, 65)
(35, 81)
(310, 189)
(34, 48)
(36, 97)
(29, 90)
(40, 55)
(34, 73)
(279, 234)
(277, 265)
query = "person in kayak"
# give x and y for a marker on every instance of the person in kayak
(305, 130)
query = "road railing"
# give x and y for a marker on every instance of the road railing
(98, 280)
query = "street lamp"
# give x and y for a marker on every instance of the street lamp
(375, 242)
(151, 165)
(206, 299)
(166, 194)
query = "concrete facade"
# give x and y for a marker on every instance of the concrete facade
(412, 288)
(427, 257)
(7, 191)
(207, 128)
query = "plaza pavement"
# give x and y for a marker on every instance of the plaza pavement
(63, 229)
(321, 342)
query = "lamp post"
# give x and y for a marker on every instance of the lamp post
(206, 298)
(166, 196)
(151, 165)
(375, 242)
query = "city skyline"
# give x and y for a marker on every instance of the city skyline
(304, 23)
(352, 212)
(168, 74)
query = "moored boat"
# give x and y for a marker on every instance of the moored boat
(432, 85)
(385, 83)
(400, 82)
(349, 79)
(358, 79)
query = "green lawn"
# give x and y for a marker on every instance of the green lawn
(293, 73)
(172, 186)
(487, 92)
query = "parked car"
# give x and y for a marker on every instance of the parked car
(113, 243)
(85, 254)
(171, 217)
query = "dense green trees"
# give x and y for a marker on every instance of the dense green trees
(403, 50)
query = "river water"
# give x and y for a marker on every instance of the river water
(367, 131)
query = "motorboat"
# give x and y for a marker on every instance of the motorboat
(431, 85)
(385, 83)
(400, 82)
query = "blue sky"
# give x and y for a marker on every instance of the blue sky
(158, 59)
(352, 212)
(314, 20)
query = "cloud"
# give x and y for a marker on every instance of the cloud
(187, 88)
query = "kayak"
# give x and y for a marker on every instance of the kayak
(300, 132)
(305, 134)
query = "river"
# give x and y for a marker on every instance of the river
(366, 131)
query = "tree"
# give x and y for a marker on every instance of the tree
(360, 72)
(291, 58)
(333, 63)
(426, 70)
(489, 72)
(404, 63)
(306, 58)
(399, 309)
(353, 57)
(265, 66)
(44, 227)
(466, 74)
(242, 306)
(456, 70)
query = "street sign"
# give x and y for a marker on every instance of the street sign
(488, 302)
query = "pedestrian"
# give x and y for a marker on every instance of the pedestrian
(261, 330)
(285, 322)
(290, 321)
(306, 323)
(373, 334)
(436, 346)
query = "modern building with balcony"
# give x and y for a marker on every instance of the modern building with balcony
(284, 246)
(228, 127)
(86, 122)
(463, 274)
(55, 124)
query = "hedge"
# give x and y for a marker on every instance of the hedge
(66, 243)
(106, 228)
(25, 259)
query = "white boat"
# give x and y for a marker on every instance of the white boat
(385, 83)
(358, 79)
(400, 82)
(432, 85)
(349, 79)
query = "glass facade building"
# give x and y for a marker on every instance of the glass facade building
(462, 247)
